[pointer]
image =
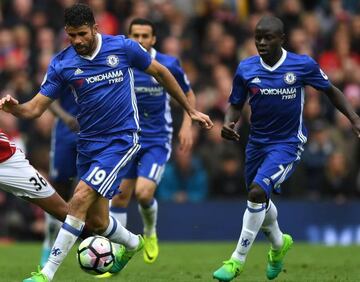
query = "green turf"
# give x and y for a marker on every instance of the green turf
(195, 262)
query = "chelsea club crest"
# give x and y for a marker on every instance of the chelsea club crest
(289, 78)
(323, 74)
(112, 60)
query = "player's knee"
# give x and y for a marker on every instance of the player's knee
(144, 196)
(80, 202)
(77, 201)
(97, 224)
(256, 194)
(121, 201)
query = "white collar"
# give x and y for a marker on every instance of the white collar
(153, 53)
(98, 47)
(278, 64)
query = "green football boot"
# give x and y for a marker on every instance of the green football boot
(230, 269)
(122, 256)
(104, 275)
(37, 277)
(275, 258)
(151, 248)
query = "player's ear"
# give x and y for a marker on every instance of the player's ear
(282, 38)
(95, 28)
(153, 41)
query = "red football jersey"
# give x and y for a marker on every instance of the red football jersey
(7, 149)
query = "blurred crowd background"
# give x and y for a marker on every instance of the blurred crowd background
(210, 37)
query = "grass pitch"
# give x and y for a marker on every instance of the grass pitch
(195, 262)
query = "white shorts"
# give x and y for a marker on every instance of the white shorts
(19, 177)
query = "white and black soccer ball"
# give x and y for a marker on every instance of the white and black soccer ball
(95, 255)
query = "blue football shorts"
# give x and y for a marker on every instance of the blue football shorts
(63, 156)
(150, 162)
(269, 166)
(102, 163)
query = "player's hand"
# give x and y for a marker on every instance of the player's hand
(72, 123)
(185, 138)
(7, 103)
(202, 119)
(228, 132)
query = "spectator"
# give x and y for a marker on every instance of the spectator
(315, 157)
(290, 14)
(107, 22)
(184, 180)
(20, 12)
(341, 65)
(311, 24)
(228, 182)
(355, 34)
(299, 41)
(337, 182)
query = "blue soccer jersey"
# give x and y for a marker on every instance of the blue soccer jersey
(276, 95)
(67, 102)
(155, 120)
(102, 85)
(153, 100)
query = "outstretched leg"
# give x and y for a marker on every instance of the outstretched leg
(52, 225)
(84, 197)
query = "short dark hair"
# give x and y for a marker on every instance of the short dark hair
(273, 23)
(141, 21)
(78, 15)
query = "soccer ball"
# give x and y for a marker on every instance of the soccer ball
(95, 255)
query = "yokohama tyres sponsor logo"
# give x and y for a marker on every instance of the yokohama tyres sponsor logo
(149, 89)
(111, 75)
(152, 91)
(278, 91)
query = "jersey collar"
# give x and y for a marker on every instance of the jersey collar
(278, 64)
(153, 53)
(98, 47)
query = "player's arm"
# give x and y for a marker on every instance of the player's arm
(185, 132)
(232, 116)
(166, 79)
(237, 100)
(338, 99)
(319, 80)
(67, 118)
(29, 110)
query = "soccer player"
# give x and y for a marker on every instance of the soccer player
(20, 178)
(155, 139)
(63, 154)
(274, 84)
(98, 69)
